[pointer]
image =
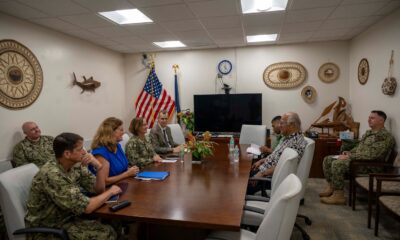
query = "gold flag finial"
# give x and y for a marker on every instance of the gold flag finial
(175, 67)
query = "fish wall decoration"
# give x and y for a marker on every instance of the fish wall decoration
(87, 84)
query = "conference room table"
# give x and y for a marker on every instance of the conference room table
(193, 200)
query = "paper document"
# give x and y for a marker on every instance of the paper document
(335, 157)
(169, 160)
(254, 149)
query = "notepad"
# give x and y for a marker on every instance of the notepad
(146, 175)
(169, 160)
(254, 149)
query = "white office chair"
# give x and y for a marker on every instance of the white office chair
(253, 134)
(303, 171)
(177, 133)
(15, 185)
(125, 139)
(278, 222)
(255, 206)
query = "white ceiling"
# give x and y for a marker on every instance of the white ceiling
(201, 24)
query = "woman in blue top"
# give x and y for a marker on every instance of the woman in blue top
(105, 147)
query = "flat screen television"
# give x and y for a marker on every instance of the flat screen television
(225, 113)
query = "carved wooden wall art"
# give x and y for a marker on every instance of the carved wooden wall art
(21, 76)
(284, 75)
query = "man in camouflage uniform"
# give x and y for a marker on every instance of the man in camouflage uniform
(375, 144)
(56, 198)
(35, 148)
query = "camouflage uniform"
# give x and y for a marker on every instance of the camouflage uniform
(139, 152)
(56, 200)
(34, 152)
(30, 152)
(373, 145)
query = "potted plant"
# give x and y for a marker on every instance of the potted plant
(202, 148)
(187, 120)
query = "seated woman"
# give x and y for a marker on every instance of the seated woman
(105, 147)
(138, 149)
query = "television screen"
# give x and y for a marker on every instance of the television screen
(226, 112)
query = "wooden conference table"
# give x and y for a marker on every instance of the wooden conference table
(202, 197)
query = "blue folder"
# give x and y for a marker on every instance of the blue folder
(152, 175)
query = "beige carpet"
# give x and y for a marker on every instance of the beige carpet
(340, 222)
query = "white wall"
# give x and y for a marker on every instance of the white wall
(376, 44)
(61, 107)
(198, 72)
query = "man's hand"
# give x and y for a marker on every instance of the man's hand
(157, 158)
(257, 164)
(343, 157)
(89, 159)
(265, 149)
(114, 189)
(176, 149)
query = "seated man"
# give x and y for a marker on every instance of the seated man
(293, 138)
(375, 143)
(276, 136)
(161, 137)
(35, 148)
(56, 198)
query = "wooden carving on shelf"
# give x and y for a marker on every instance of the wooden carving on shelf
(341, 121)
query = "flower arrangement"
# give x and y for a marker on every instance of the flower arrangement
(201, 149)
(187, 118)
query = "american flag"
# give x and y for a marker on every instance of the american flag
(153, 99)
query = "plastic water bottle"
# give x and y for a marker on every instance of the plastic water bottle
(236, 154)
(231, 144)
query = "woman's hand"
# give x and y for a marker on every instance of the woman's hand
(157, 158)
(132, 171)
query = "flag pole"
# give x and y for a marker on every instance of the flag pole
(177, 102)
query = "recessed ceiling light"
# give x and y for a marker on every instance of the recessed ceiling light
(262, 38)
(127, 16)
(170, 44)
(255, 6)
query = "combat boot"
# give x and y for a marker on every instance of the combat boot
(337, 198)
(328, 191)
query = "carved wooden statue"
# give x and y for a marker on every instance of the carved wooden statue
(340, 121)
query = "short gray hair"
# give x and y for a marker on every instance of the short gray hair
(294, 118)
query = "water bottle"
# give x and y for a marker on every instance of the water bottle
(231, 144)
(236, 154)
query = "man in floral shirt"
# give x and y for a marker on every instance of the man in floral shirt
(293, 138)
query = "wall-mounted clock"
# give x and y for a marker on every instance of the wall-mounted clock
(224, 67)
(21, 77)
(363, 71)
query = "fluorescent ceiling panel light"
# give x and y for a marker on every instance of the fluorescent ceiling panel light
(255, 6)
(170, 44)
(262, 38)
(127, 16)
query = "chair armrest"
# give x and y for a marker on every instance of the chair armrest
(379, 180)
(264, 179)
(253, 209)
(355, 165)
(56, 231)
(257, 198)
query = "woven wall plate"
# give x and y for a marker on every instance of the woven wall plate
(328, 72)
(309, 94)
(363, 71)
(21, 76)
(284, 75)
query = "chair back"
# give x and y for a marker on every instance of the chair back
(303, 170)
(253, 134)
(177, 133)
(287, 164)
(279, 220)
(125, 139)
(15, 185)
